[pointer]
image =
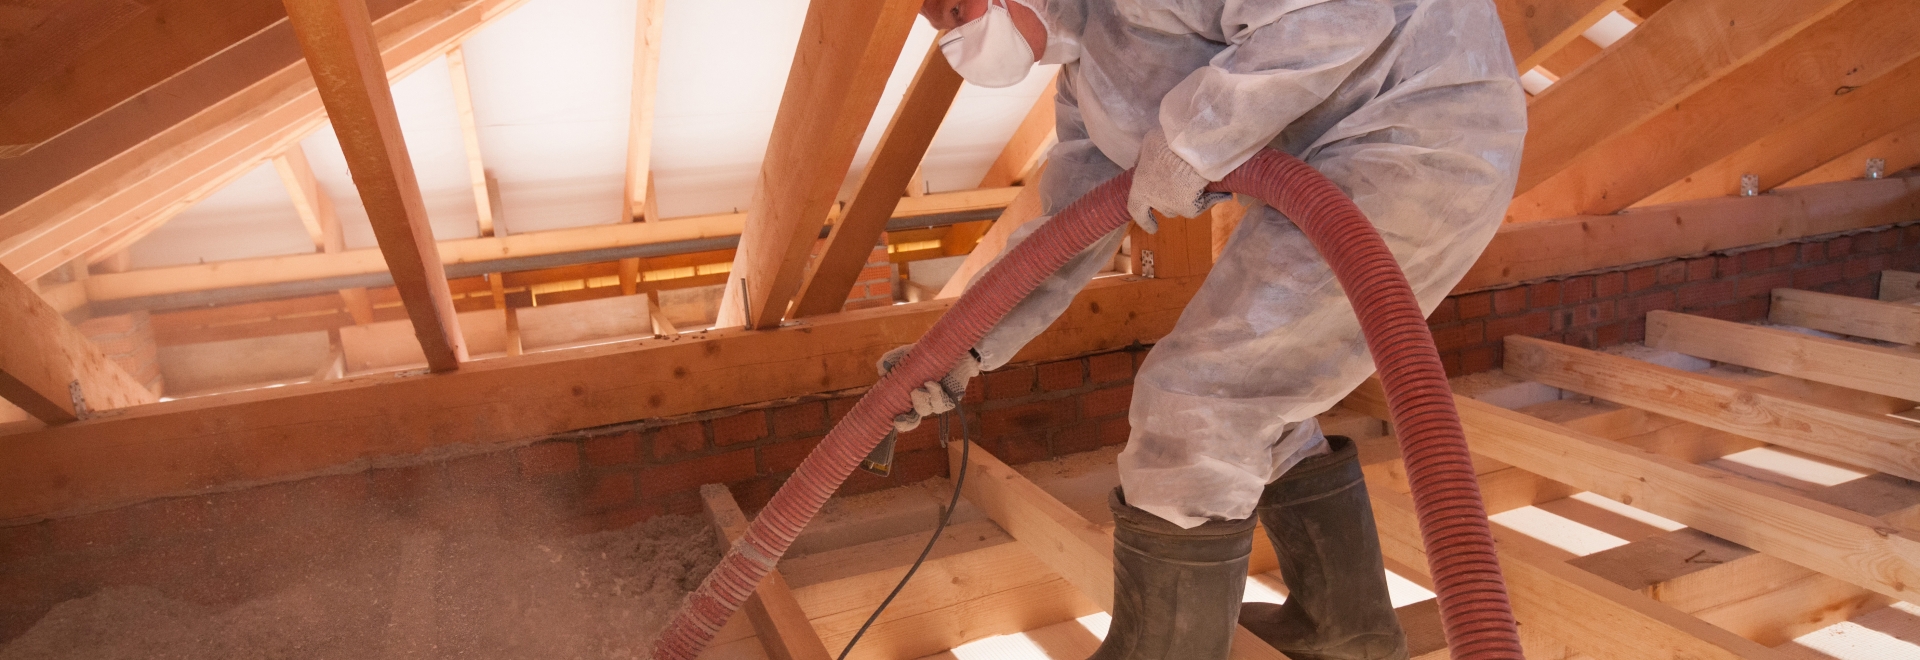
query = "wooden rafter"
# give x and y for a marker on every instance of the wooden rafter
(1690, 44)
(847, 49)
(1537, 29)
(92, 55)
(895, 160)
(1018, 161)
(315, 209)
(190, 135)
(646, 78)
(51, 370)
(1841, 125)
(470, 136)
(337, 37)
(1849, 48)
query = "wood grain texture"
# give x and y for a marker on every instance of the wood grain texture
(1847, 315)
(1847, 364)
(782, 626)
(49, 369)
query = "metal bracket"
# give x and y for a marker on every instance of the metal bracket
(1146, 264)
(79, 399)
(1749, 185)
(1876, 168)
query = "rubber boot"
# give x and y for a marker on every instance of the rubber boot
(1321, 525)
(1176, 592)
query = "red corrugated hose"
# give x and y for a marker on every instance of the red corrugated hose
(1453, 521)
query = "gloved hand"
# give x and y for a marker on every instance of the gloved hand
(933, 397)
(1163, 181)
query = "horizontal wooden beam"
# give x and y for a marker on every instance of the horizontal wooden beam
(1850, 546)
(1077, 549)
(1847, 315)
(1848, 364)
(1523, 252)
(1867, 441)
(304, 267)
(49, 369)
(190, 445)
(1899, 286)
(777, 617)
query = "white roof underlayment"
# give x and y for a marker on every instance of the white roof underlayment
(552, 92)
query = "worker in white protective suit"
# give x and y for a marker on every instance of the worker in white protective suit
(1413, 108)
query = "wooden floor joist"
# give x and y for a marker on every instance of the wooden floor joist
(1847, 315)
(51, 370)
(777, 617)
(1875, 442)
(1844, 363)
(1847, 545)
(1898, 286)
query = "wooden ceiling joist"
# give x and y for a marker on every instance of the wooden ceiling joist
(198, 131)
(1537, 29)
(1852, 365)
(1848, 49)
(1675, 53)
(337, 37)
(895, 159)
(1844, 123)
(51, 370)
(646, 79)
(1874, 319)
(847, 49)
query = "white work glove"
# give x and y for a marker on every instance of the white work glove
(1164, 182)
(933, 397)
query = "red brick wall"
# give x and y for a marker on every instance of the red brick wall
(1602, 309)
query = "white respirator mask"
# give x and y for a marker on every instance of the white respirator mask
(989, 51)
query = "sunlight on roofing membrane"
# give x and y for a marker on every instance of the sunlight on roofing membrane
(1889, 633)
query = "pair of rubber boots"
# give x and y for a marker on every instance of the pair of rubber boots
(1177, 591)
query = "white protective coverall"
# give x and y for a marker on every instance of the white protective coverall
(1410, 106)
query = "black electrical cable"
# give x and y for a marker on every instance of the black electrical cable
(966, 448)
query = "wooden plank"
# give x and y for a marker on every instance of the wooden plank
(1569, 605)
(470, 137)
(661, 326)
(1675, 53)
(1899, 149)
(1844, 363)
(1536, 29)
(1850, 546)
(1182, 246)
(337, 37)
(605, 319)
(1847, 315)
(1534, 250)
(893, 163)
(94, 55)
(185, 446)
(49, 369)
(847, 49)
(1898, 286)
(1842, 124)
(191, 134)
(777, 617)
(648, 24)
(1868, 441)
(1851, 47)
(390, 345)
(1078, 550)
